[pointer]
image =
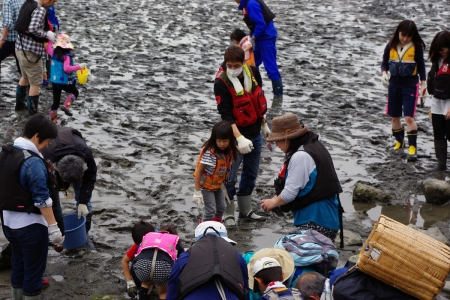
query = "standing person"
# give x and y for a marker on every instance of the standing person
(439, 87)
(27, 190)
(74, 164)
(211, 269)
(213, 167)
(403, 58)
(307, 183)
(241, 102)
(239, 38)
(9, 35)
(259, 19)
(33, 30)
(63, 74)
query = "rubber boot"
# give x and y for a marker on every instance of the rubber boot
(53, 115)
(21, 94)
(32, 104)
(16, 293)
(228, 216)
(277, 86)
(245, 208)
(35, 297)
(217, 219)
(412, 142)
(440, 147)
(143, 294)
(66, 106)
(399, 135)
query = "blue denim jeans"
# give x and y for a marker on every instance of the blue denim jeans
(250, 168)
(29, 249)
(76, 188)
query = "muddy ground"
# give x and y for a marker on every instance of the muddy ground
(149, 105)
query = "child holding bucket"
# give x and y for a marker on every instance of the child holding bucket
(62, 74)
(213, 166)
(154, 260)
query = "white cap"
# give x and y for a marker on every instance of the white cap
(212, 227)
(264, 263)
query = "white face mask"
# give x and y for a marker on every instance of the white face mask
(235, 73)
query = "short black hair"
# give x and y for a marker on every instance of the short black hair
(42, 125)
(140, 229)
(237, 35)
(171, 229)
(270, 274)
(310, 284)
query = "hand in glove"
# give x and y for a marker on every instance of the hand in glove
(50, 35)
(82, 210)
(244, 145)
(198, 198)
(385, 79)
(55, 235)
(423, 87)
(83, 66)
(131, 288)
(265, 130)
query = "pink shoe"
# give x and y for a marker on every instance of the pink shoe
(217, 219)
(66, 106)
(53, 114)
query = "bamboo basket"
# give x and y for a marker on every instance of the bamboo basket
(405, 258)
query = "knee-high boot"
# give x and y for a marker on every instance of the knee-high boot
(440, 147)
(245, 208)
(228, 216)
(17, 293)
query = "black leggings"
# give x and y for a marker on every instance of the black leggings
(441, 127)
(58, 88)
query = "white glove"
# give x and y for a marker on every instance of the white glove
(54, 235)
(50, 35)
(198, 198)
(385, 79)
(82, 210)
(265, 130)
(83, 66)
(131, 288)
(244, 145)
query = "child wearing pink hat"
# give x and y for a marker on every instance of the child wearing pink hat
(62, 72)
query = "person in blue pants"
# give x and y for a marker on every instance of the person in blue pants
(259, 19)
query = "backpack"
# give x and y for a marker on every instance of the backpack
(310, 248)
(24, 19)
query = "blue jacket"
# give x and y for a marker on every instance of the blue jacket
(33, 178)
(206, 291)
(262, 30)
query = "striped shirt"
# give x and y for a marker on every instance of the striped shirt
(210, 161)
(10, 13)
(36, 28)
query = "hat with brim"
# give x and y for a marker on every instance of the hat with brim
(214, 228)
(63, 41)
(280, 255)
(286, 127)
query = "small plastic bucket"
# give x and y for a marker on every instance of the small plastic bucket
(82, 75)
(74, 231)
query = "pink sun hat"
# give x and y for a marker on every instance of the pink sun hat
(63, 41)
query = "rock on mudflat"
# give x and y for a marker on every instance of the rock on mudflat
(368, 194)
(432, 232)
(436, 191)
(350, 238)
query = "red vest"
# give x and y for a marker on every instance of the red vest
(163, 241)
(249, 107)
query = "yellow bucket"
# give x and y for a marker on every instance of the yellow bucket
(83, 75)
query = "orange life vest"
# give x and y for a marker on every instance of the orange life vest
(223, 165)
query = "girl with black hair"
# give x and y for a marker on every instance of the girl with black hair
(403, 58)
(439, 87)
(244, 41)
(213, 166)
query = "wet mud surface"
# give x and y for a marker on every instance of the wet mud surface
(149, 105)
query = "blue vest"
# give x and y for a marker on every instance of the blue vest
(57, 74)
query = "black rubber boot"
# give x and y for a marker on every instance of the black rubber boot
(21, 94)
(143, 294)
(32, 104)
(440, 147)
(277, 86)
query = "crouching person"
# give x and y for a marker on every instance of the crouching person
(211, 269)
(154, 260)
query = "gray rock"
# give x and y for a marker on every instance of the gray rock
(350, 238)
(432, 232)
(436, 191)
(446, 287)
(353, 258)
(368, 194)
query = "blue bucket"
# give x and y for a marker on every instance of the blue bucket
(74, 231)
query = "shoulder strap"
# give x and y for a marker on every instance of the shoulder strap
(152, 272)
(220, 288)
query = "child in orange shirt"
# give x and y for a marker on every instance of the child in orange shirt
(239, 38)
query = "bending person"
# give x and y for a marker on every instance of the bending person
(307, 183)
